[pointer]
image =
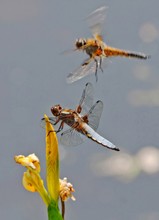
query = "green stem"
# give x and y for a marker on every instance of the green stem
(53, 211)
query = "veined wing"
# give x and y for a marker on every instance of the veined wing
(90, 133)
(81, 72)
(88, 69)
(94, 115)
(86, 100)
(71, 137)
(95, 21)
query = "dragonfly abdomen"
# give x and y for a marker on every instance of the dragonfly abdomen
(111, 51)
(90, 133)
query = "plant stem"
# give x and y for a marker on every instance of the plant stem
(53, 212)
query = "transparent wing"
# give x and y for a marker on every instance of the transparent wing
(71, 137)
(86, 100)
(88, 69)
(95, 21)
(94, 115)
(81, 72)
(69, 51)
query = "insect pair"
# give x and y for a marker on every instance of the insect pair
(84, 120)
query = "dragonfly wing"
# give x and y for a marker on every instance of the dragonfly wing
(71, 137)
(69, 51)
(86, 100)
(95, 21)
(81, 72)
(94, 115)
(98, 138)
(88, 69)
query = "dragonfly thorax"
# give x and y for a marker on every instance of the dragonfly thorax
(92, 49)
(56, 110)
(80, 43)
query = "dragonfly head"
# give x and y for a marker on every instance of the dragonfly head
(80, 43)
(56, 110)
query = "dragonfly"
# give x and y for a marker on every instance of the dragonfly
(83, 121)
(97, 49)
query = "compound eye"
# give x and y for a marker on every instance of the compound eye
(84, 42)
(55, 111)
(78, 44)
(52, 110)
(59, 107)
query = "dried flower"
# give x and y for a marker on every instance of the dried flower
(66, 190)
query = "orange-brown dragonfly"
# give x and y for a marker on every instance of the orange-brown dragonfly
(97, 49)
(83, 121)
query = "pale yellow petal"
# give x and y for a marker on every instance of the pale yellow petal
(31, 161)
(31, 179)
(35, 161)
(28, 184)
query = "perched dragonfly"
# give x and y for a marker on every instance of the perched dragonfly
(97, 49)
(83, 121)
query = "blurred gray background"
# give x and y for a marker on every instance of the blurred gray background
(33, 72)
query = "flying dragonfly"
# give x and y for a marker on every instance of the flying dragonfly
(83, 121)
(96, 49)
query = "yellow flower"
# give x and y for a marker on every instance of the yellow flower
(31, 178)
(33, 182)
(31, 161)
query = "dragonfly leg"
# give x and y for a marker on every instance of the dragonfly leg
(96, 69)
(56, 122)
(60, 127)
(100, 64)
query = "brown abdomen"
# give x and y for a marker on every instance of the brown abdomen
(111, 51)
